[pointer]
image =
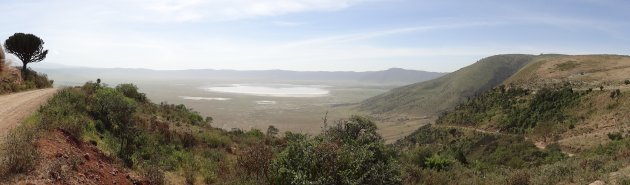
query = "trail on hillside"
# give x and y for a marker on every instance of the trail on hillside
(539, 144)
(14, 108)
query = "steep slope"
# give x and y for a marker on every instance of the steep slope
(430, 97)
(576, 101)
(558, 120)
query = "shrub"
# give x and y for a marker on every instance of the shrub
(519, 178)
(272, 131)
(131, 91)
(112, 108)
(155, 175)
(255, 160)
(39, 80)
(348, 153)
(627, 82)
(615, 136)
(437, 162)
(19, 153)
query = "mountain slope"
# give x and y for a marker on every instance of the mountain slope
(574, 101)
(581, 71)
(559, 120)
(427, 98)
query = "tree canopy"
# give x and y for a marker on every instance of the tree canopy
(27, 47)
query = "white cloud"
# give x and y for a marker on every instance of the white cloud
(288, 23)
(335, 39)
(223, 10)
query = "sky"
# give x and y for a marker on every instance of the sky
(314, 35)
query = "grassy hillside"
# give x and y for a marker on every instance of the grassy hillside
(580, 71)
(427, 98)
(559, 120)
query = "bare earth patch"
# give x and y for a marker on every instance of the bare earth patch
(66, 160)
(15, 107)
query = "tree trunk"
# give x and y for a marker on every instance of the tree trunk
(24, 72)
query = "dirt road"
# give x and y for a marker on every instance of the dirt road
(15, 107)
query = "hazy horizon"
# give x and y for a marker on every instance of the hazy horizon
(303, 35)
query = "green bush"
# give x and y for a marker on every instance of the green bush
(437, 162)
(34, 81)
(348, 153)
(112, 108)
(131, 91)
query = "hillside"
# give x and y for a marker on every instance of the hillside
(581, 71)
(95, 134)
(430, 97)
(558, 120)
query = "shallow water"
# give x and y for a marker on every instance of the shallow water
(273, 90)
(204, 98)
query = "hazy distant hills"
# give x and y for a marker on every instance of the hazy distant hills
(394, 76)
(429, 97)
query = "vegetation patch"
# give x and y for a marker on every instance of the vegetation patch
(565, 66)
(517, 110)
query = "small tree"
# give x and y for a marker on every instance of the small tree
(272, 131)
(27, 47)
(627, 82)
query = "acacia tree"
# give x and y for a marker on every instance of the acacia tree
(27, 47)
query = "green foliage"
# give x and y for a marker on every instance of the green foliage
(515, 110)
(469, 147)
(112, 108)
(181, 114)
(349, 153)
(567, 65)
(546, 106)
(139, 133)
(131, 91)
(34, 80)
(437, 162)
(27, 47)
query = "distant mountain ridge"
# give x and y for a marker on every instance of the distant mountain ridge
(394, 76)
(430, 97)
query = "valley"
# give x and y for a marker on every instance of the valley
(314, 92)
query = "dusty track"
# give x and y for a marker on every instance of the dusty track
(15, 107)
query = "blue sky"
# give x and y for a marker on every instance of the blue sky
(308, 35)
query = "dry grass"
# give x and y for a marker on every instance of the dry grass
(599, 115)
(19, 153)
(582, 71)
